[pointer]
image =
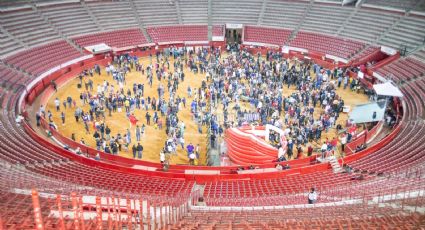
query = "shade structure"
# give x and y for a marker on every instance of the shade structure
(98, 48)
(387, 89)
(370, 112)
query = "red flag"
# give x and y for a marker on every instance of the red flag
(133, 119)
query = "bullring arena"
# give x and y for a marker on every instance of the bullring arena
(212, 114)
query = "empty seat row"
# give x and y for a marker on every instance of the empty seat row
(119, 38)
(266, 35)
(42, 58)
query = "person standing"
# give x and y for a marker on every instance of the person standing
(63, 118)
(128, 136)
(38, 118)
(53, 83)
(162, 157)
(343, 140)
(49, 115)
(108, 133)
(312, 196)
(139, 150)
(148, 118)
(77, 114)
(134, 150)
(190, 148)
(323, 149)
(192, 157)
(197, 151)
(138, 132)
(310, 150)
(213, 138)
(57, 104)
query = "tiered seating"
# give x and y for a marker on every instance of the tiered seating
(46, 166)
(237, 193)
(218, 30)
(415, 91)
(325, 18)
(404, 5)
(266, 35)
(17, 211)
(409, 32)
(19, 148)
(10, 77)
(42, 58)
(14, 140)
(76, 173)
(28, 27)
(120, 38)
(403, 69)
(71, 19)
(224, 11)
(7, 3)
(159, 12)
(113, 15)
(334, 217)
(367, 25)
(406, 151)
(419, 55)
(178, 33)
(8, 44)
(364, 53)
(326, 44)
(194, 11)
(283, 13)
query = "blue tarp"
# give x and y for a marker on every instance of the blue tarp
(368, 112)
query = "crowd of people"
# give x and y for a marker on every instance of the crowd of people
(241, 88)
(161, 112)
(245, 84)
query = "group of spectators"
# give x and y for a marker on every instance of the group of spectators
(239, 89)
(252, 89)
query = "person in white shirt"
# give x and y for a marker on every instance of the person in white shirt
(192, 158)
(324, 148)
(312, 196)
(281, 152)
(57, 104)
(78, 150)
(279, 167)
(343, 140)
(162, 157)
(19, 119)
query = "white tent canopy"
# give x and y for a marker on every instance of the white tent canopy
(387, 89)
(98, 48)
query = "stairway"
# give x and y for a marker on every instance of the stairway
(57, 30)
(263, 8)
(335, 164)
(179, 15)
(140, 22)
(302, 19)
(90, 13)
(200, 188)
